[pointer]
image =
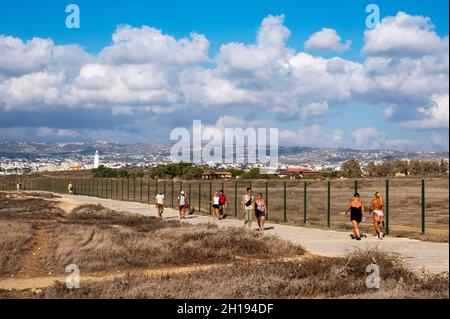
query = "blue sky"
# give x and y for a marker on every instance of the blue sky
(312, 116)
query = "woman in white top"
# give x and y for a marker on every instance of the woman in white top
(215, 205)
(377, 209)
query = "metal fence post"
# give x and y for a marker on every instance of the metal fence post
(304, 203)
(164, 188)
(189, 197)
(387, 207)
(329, 205)
(134, 189)
(128, 189)
(285, 202)
(140, 201)
(172, 192)
(423, 205)
(210, 196)
(235, 199)
(356, 185)
(148, 190)
(267, 199)
(199, 195)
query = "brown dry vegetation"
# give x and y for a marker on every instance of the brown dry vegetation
(96, 238)
(15, 240)
(239, 264)
(316, 277)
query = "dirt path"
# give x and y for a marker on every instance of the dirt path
(47, 281)
(31, 263)
(430, 256)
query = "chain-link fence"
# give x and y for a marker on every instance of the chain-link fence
(411, 204)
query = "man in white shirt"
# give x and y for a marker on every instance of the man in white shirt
(160, 203)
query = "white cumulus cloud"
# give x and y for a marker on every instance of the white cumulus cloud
(327, 40)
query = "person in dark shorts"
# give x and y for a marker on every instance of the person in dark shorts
(260, 211)
(182, 203)
(223, 204)
(356, 209)
(215, 205)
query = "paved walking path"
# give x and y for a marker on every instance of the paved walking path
(433, 257)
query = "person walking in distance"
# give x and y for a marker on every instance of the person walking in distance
(70, 188)
(248, 206)
(260, 211)
(222, 203)
(182, 202)
(356, 209)
(377, 209)
(215, 205)
(160, 199)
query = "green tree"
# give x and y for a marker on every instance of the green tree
(400, 166)
(443, 166)
(253, 173)
(371, 169)
(351, 168)
(384, 169)
(416, 167)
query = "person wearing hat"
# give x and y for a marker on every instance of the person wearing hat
(356, 209)
(182, 202)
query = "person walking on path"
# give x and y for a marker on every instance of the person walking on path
(377, 209)
(356, 209)
(215, 205)
(160, 200)
(260, 211)
(70, 188)
(223, 204)
(182, 204)
(248, 205)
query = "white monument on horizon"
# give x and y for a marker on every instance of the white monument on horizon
(96, 159)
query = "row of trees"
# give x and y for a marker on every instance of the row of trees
(352, 168)
(107, 172)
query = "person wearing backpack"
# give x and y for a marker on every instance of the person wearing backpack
(222, 204)
(248, 205)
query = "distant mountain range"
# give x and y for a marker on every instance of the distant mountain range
(37, 149)
(288, 155)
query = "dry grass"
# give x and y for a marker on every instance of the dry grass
(316, 277)
(17, 207)
(243, 264)
(96, 238)
(15, 240)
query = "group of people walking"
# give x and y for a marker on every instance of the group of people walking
(357, 214)
(256, 206)
(251, 206)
